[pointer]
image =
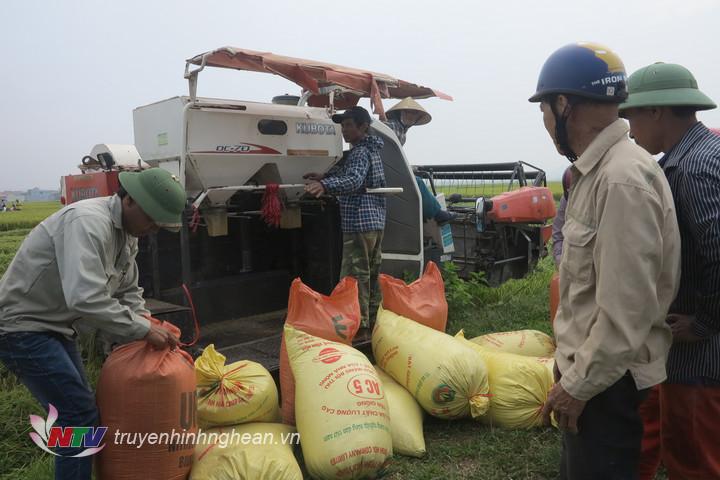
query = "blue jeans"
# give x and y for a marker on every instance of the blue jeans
(50, 366)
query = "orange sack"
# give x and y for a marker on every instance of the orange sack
(335, 318)
(144, 394)
(422, 301)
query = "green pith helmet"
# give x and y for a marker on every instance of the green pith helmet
(158, 193)
(665, 85)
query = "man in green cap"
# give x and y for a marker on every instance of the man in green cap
(77, 269)
(661, 108)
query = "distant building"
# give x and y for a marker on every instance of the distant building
(37, 195)
(32, 195)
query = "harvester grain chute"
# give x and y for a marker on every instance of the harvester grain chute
(227, 154)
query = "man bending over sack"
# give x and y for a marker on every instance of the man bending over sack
(77, 268)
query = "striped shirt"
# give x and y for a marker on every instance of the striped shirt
(692, 168)
(359, 169)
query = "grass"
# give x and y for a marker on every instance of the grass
(465, 450)
(19, 457)
(514, 305)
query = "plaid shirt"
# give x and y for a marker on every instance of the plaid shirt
(397, 126)
(359, 169)
(692, 168)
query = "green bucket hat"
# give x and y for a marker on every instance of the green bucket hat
(158, 193)
(665, 85)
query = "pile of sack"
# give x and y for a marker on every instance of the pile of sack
(237, 407)
(501, 379)
(217, 418)
(519, 384)
(351, 416)
(331, 390)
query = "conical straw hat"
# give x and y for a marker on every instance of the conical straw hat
(410, 104)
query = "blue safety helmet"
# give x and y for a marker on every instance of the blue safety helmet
(583, 69)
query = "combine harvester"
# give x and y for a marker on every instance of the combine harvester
(502, 235)
(229, 155)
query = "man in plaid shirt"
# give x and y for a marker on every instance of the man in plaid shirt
(362, 214)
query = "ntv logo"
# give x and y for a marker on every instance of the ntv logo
(46, 436)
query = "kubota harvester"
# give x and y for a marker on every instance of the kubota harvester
(236, 159)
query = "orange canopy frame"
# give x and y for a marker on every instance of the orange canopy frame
(314, 76)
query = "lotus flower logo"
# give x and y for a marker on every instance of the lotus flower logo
(443, 393)
(46, 436)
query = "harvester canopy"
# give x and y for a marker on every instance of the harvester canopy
(319, 78)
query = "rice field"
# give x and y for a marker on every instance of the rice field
(14, 226)
(30, 215)
(487, 189)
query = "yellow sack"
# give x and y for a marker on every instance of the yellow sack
(530, 343)
(406, 418)
(448, 379)
(340, 408)
(253, 451)
(549, 364)
(519, 386)
(241, 392)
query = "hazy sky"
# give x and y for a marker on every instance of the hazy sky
(74, 70)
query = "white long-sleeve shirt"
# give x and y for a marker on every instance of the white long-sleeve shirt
(76, 269)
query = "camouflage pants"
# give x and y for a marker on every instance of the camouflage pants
(361, 260)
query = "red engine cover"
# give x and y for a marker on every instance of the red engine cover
(89, 185)
(526, 205)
